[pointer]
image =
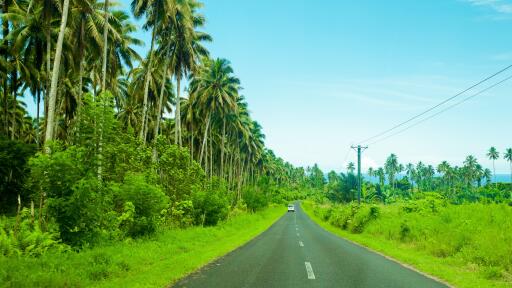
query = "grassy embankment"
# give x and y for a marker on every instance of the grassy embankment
(466, 245)
(155, 262)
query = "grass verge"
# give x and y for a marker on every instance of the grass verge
(379, 236)
(156, 262)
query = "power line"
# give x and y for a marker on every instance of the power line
(442, 111)
(436, 106)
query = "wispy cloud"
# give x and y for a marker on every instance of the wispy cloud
(499, 6)
(507, 56)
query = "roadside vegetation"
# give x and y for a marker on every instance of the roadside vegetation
(454, 223)
(123, 167)
(146, 262)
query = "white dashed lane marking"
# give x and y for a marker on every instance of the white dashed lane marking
(301, 244)
(309, 270)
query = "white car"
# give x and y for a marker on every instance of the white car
(291, 208)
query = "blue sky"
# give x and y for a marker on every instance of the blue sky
(320, 75)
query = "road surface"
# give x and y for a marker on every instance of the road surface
(296, 252)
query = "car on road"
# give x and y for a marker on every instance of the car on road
(291, 208)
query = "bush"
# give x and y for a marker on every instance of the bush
(210, 206)
(27, 238)
(141, 203)
(179, 175)
(14, 156)
(254, 199)
(83, 215)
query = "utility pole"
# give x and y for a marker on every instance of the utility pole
(359, 150)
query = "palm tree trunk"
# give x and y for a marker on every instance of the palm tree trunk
(192, 141)
(48, 73)
(6, 104)
(5, 48)
(81, 64)
(55, 73)
(494, 173)
(177, 116)
(222, 148)
(211, 153)
(142, 134)
(14, 89)
(159, 110)
(204, 139)
(105, 49)
(38, 128)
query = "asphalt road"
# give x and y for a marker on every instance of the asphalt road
(296, 252)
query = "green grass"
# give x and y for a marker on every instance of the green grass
(465, 245)
(155, 262)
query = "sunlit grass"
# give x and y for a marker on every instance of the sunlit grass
(154, 262)
(465, 245)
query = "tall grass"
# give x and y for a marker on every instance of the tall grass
(150, 262)
(468, 245)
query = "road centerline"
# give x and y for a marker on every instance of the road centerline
(301, 244)
(309, 270)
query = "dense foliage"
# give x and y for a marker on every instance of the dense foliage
(395, 182)
(120, 149)
(474, 237)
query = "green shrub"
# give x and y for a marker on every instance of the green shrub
(210, 206)
(254, 199)
(83, 215)
(27, 238)
(142, 202)
(14, 156)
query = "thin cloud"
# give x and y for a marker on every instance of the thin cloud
(498, 6)
(502, 56)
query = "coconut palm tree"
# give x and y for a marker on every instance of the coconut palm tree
(158, 13)
(55, 74)
(470, 165)
(215, 89)
(409, 170)
(508, 156)
(382, 176)
(371, 172)
(351, 167)
(187, 50)
(392, 168)
(493, 154)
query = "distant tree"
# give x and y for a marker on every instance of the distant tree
(371, 172)
(392, 168)
(382, 176)
(508, 157)
(351, 168)
(493, 154)
(486, 174)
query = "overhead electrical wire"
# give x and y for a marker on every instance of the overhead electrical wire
(435, 106)
(444, 110)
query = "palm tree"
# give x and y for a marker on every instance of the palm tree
(158, 13)
(215, 89)
(493, 154)
(55, 74)
(487, 175)
(409, 170)
(371, 172)
(351, 167)
(382, 176)
(470, 165)
(187, 50)
(392, 167)
(508, 157)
